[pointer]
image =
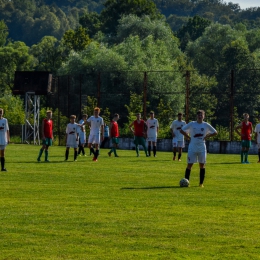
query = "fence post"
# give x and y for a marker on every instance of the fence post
(98, 88)
(232, 77)
(187, 95)
(80, 95)
(58, 90)
(144, 95)
(68, 111)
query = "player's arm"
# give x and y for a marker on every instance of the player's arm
(238, 127)
(210, 135)
(102, 132)
(131, 127)
(43, 136)
(185, 134)
(256, 136)
(8, 136)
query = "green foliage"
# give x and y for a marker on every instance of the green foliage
(13, 56)
(3, 33)
(76, 40)
(91, 104)
(13, 109)
(91, 22)
(49, 54)
(192, 30)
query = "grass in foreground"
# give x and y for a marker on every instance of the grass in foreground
(127, 207)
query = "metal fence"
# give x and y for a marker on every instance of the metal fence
(226, 94)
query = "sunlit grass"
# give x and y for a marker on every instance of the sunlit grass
(127, 207)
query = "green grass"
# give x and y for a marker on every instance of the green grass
(127, 207)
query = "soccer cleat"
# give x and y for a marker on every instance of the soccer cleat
(47, 160)
(109, 154)
(79, 154)
(179, 160)
(3, 170)
(38, 159)
(201, 185)
(147, 155)
(94, 159)
(246, 162)
(154, 156)
(65, 160)
(137, 155)
(174, 158)
(116, 156)
(75, 160)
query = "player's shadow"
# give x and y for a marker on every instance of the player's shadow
(150, 188)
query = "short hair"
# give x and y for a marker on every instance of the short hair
(116, 115)
(151, 112)
(201, 112)
(48, 111)
(1, 109)
(97, 109)
(180, 114)
(84, 115)
(138, 113)
(73, 116)
(245, 114)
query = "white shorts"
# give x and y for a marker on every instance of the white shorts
(82, 137)
(2, 147)
(94, 139)
(152, 139)
(194, 157)
(176, 143)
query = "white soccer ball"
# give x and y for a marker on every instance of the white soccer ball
(184, 182)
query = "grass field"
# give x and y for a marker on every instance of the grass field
(127, 207)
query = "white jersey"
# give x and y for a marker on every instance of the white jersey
(176, 126)
(83, 127)
(197, 132)
(257, 130)
(3, 131)
(72, 130)
(95, 124)
(152, 125)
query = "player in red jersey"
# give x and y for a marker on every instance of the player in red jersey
(139, 131)
(246, 131)
(47, 136)
(114, 134)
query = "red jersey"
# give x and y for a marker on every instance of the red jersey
(139, 128)
(114, 129)
(246, 131)
(47, 128)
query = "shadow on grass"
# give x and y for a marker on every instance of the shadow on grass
(150, 188)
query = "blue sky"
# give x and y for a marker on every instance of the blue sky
(246, 3)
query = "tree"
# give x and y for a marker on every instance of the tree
(192, 30)
(91, 22)
(115, 9)
(76, 40)
(3, 33)
(48, 54)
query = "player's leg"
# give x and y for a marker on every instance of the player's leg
(115, 143)
(80, 147)
(188, 170)
(248, 145)
(242, 154)
(154, 148)
(136, 142)
(174, 148)
(202, 161)
(41, 151)
(2, 154)
(143, 143)
(75, 154)
(46, 153)
(97, 143)
(67, 153)
(191, 159)
(149, 147)
(179, 152)
(90, 142)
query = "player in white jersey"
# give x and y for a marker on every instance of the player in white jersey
(96, 124)
(82, 135)
(177, 137)
(197, 131)
(257, 138)
(152, 132)
(4, 138)
(72, 137)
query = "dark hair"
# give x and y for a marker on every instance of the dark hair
(201, 112)
(180, 114)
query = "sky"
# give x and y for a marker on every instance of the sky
(246, 3)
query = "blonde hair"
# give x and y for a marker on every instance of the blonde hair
(72, 116)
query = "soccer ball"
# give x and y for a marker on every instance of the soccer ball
(184, 182)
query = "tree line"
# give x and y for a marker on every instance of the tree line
(136, 36)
